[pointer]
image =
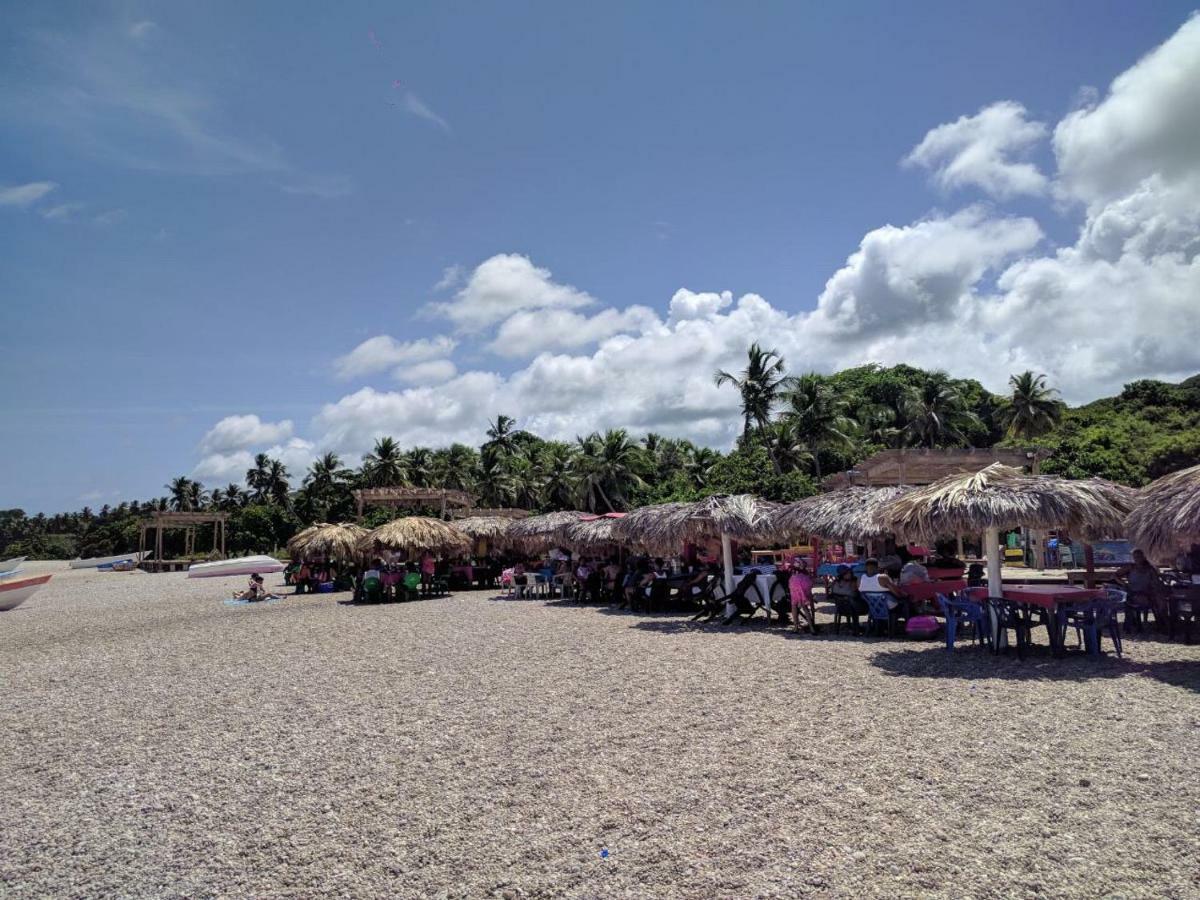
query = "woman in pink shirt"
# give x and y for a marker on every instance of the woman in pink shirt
(800, 586)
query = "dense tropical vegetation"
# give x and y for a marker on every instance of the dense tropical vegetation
(795, 430)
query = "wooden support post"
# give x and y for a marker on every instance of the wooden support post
(1089, 565)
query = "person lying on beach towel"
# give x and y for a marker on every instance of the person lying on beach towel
(256, 591)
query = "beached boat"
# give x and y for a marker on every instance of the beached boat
(10, 566)
(96, 561)
(245, 565)
(14, 592)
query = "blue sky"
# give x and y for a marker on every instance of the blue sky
(208, 206)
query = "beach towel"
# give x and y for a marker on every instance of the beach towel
(234, 601)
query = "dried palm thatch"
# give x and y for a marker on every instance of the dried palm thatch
(296, 542)
(338, 542)
(491, 527)
(852, 513)
(666, 527)
(1166, 514)
(1003, 497)
(592, 533)
(412, 533)
(544, 531)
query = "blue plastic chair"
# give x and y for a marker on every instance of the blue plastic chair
(1092, 620)
(960, 611)
(878, 610)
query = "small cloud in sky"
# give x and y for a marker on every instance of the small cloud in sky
(383, 352)
(451, 277)
(110, 217)
(411, 103)
(64, 212)
(139, 31)
(24, 195)
(326, 187)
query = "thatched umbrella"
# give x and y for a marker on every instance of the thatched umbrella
(664, 527)
(544, 531)
(1000, 497)
(340, 542)
(296, 542)
(1166, 513)
(417, 533)
(489, 527)
(852, 512)
(593, 532)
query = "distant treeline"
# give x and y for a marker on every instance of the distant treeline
(795, 430)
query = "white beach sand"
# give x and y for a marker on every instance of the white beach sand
(157, 743)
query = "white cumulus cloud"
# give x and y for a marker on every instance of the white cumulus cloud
(242, 432)
(1148, 125)
(984, 150)
(529, 333)
(383, 352)
(507, 283)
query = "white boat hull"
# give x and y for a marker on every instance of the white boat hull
(10, 566)
(246, 565)
(14, 593)
(96, 561)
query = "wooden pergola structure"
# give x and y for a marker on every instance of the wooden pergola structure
(412, 496)
(919, 466)
(188, 521)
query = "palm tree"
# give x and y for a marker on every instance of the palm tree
(325, 472)
(384, 465)
(181, 494)
(817, 417)
(419, 462)
(555, 464)
(502, 436)
(758, 384)
(276, 486)
(216, 498)
(608, 467)
(1032, 409)
(700, 464)
(234, 496)
(937, 413)
(256, 477)
(787, 448)
(456, 468)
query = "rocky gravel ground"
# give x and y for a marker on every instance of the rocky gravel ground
(155, 742)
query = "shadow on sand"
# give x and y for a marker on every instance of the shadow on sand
(979, 664)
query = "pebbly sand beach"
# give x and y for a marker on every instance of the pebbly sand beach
(155, 742)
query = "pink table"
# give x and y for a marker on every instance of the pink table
(925, 590)
(1054, 598)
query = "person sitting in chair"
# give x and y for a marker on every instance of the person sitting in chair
(874, 581)
(1145, 587)
(844, 593)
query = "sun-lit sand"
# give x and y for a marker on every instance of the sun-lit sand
(156, 742)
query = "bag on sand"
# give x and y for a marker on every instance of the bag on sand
(921, 626)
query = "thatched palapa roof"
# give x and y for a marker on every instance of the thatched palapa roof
(665, 527)
(1166, 514)
(852, 513)
(593, 532)
(491, 527)
(1004, 497)
(544, 531)
(412, 533)
(340, 542)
